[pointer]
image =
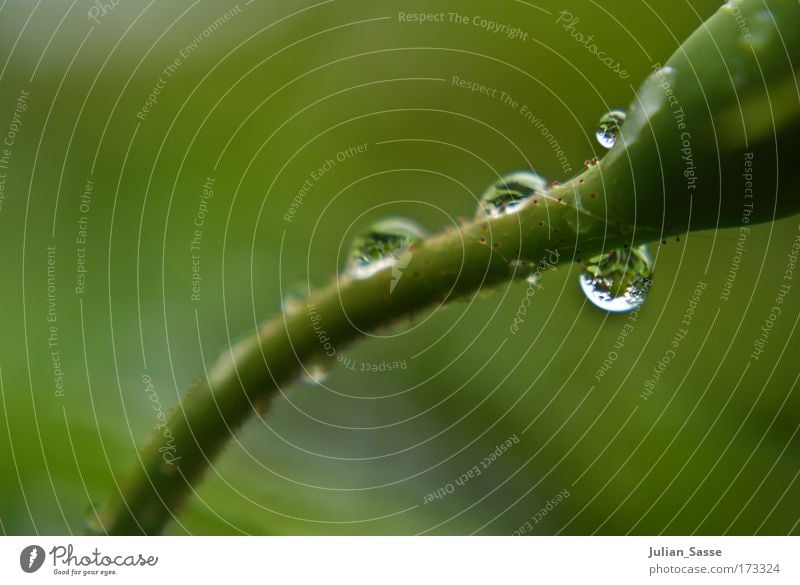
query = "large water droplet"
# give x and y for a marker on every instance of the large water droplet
(381, 246)
(315, 375)
(510, 194)
(619, 280)
(609, 126)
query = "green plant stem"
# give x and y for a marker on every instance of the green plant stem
(670, 172)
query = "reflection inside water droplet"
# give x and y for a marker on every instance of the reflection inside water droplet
(618, 281)
(608, 128)
(510, 194)
(381, 246)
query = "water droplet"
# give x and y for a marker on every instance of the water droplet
(510, 194)
(381, 246)
(315, 375)
(609, 126)
(403, 257)
(618, 281)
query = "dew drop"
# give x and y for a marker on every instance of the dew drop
(609, 126)
(510, 194)
(381, 246)
(618, 281)
(315, 375)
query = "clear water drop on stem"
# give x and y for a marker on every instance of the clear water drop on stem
(618, 281)
(510, 194)
(382, 246)
(609, 126)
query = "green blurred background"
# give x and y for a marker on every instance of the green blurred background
(263, 101)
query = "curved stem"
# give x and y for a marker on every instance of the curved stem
(649, 186)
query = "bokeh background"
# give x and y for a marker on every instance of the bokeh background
(258, 104)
